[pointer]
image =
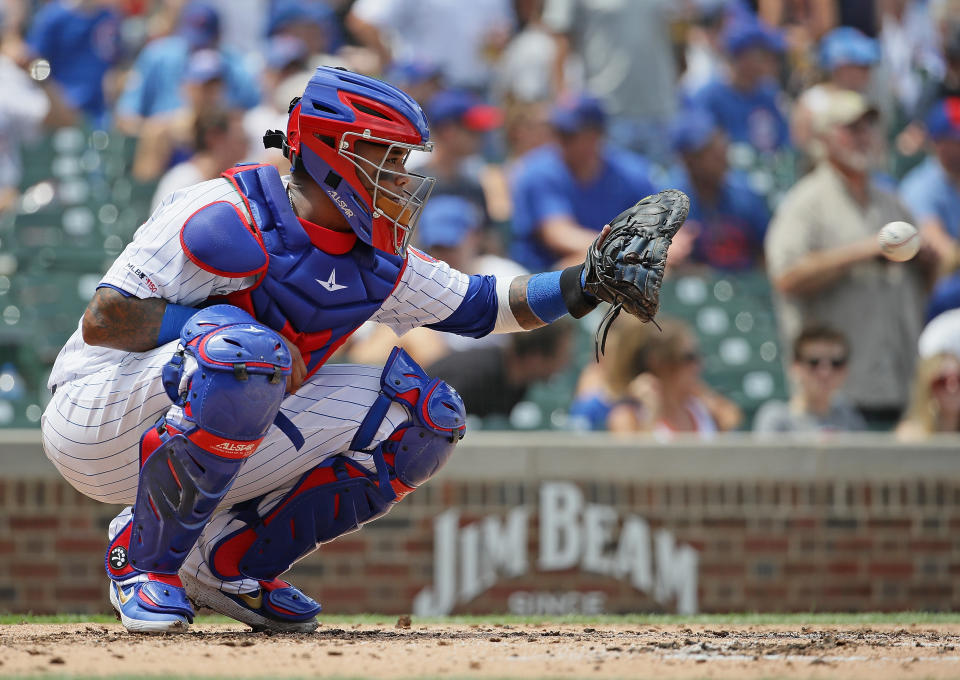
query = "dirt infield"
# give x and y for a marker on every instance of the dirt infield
(391, 650)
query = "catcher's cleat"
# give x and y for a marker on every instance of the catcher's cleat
(158, 605)
(276, 606)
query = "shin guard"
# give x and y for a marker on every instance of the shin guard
(340, 495)
(227, 382)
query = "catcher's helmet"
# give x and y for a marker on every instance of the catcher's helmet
(339, 108)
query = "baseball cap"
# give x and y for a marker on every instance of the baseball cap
(411, 72)
(200, 25)
(284, 50)
(287, 12)
(446, 220)
(841, 107)
(691, 130)
(846, 45)
(465, 108)
(572, 114)
(943, 121)
(743, 34)
(204, 66)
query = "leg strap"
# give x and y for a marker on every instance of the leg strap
(340, 495)
(227, 382)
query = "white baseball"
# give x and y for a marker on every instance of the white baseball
(899, 241)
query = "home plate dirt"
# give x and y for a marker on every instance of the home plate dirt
(392, 650)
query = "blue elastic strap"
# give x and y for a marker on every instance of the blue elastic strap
(175, 318)
(545, 297)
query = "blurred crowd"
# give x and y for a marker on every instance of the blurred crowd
(797, 127)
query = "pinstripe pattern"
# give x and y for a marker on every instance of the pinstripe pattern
(106, 399)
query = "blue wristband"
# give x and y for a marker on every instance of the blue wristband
(175, 318)
(545, 296)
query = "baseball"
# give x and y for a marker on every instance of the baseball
(899, 241)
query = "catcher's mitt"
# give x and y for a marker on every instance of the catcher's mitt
(626, 267)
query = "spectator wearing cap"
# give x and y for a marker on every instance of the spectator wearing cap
(462, 36)
(422, 80)
(564, 193)
(932, 190)
(169, 138)
(81, 40)
(847, 57)
(451, 229)
(458, 122)
(285, 57)
(746, 103)
(312, 22)
(727, 219)
(153, 86)
(824, 261)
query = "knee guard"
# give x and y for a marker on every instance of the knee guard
(226, 381)
(339, 495)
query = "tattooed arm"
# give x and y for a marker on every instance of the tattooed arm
(119, 322)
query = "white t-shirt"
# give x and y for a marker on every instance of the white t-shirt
(154, 265)
(180, 176)
(23, 107)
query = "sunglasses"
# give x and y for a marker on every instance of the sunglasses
(835, 363)
(949, 382)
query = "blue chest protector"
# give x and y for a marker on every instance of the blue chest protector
(314, 298)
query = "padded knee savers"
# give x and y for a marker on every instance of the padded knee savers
(339, 495)
(228, 379)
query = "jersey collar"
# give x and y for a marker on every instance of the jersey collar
(329, 241)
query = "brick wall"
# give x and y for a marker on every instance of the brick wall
(764, 543)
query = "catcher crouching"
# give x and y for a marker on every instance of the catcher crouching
(197, 392)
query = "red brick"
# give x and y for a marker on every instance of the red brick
(79, 522)
(852, 590)
(343, 546)
(34, 570)
(722, 570)
(343, 594)
(6, 547)
(889, 523)
(78, 594)
(841, 568)
(34, 522)
(857, 544)
(799, 569)
(890, 569)
(386, 570)
(930, 546)
(81, 545)
(766, 544)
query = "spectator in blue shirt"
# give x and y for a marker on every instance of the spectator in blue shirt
(153, 86)
(81, 40)
(746, 104)
(564, 193)
(932, 190)
(727, 218)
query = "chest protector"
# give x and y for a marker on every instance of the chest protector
(316, 299)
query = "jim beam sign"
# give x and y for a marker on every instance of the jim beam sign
(470, 559)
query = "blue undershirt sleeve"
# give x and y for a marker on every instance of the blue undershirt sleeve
(175, 318)
(545, 296)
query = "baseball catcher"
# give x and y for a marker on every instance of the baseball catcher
(196, 390)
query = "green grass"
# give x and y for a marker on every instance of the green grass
(334, 620)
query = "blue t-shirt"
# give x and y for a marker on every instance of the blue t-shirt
(81, 46)
(154, 83)
(731, 231)
(543, 187)
(752, 118)
(928, 193)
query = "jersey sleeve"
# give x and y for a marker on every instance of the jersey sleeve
(154, 264)
(429, 292)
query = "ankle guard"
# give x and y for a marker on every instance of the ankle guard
(227, 382)
(340, 495)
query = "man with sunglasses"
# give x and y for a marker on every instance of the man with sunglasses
(819, 370)
(228, 303)
(825, 264)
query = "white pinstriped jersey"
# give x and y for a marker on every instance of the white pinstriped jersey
(155, 265)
